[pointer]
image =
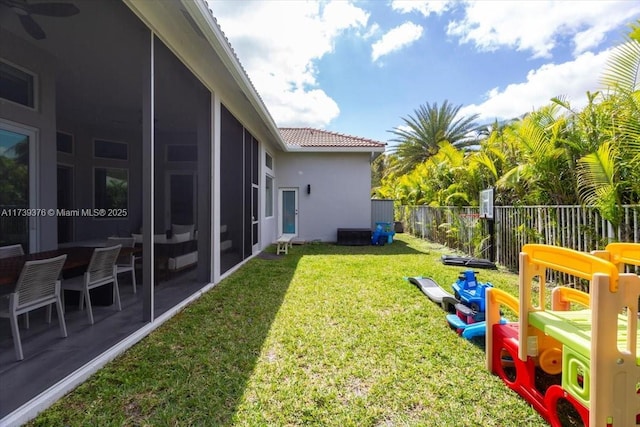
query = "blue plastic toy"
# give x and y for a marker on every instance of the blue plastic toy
(469, 291)
(382, 234)
(469, 317)
(475, 330)
(464, 317)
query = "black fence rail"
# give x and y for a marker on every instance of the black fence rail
(577, 227)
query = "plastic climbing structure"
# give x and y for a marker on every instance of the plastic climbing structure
(589, 339)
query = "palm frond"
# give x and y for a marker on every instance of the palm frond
(514, 176)
(487, 162)
(596, 174)
(623, 66)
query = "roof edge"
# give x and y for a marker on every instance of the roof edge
(340, 134)
(297, 149)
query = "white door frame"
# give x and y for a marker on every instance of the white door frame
(281, 207)
(34, 174)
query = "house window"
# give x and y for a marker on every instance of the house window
(182, 153)
(17, 85)
(110, 150)
(268, 196)
(111, 188)
(64, 142)
(268, 160)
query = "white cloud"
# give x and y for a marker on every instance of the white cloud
(372, 31)
(341, 15)
(395, 39)
(295, 106)
(278, 43)
(538, 26)
(425, 7)
(571, 79)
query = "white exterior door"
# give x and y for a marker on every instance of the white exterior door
(288, 212)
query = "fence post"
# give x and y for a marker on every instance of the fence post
(578, 227)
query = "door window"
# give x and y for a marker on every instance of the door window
(289, 211)
(17, 186)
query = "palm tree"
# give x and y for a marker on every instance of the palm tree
(496, 154)
(541, 174)
(608, 177)
(422, 133)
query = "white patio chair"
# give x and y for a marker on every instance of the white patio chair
(11, 250)
(8, 252)
(125, 263)
(38, 286)
(102, 270)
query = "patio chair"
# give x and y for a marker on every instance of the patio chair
(11, 250)
(102, 270)
(125, 263)
(8, 252)
(38, 286)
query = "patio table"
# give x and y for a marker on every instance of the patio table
(78, 259)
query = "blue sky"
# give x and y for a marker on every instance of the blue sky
(358, 67)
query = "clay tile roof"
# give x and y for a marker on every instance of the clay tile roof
(308, 137)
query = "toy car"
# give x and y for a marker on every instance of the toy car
(469, 291)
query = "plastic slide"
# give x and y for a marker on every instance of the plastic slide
(434, 292)
(478, 329)
(456, 323)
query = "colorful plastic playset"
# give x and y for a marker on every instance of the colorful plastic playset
(468, 319)
(466, 306)
(585, 343)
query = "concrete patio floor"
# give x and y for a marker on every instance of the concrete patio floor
(49, 358)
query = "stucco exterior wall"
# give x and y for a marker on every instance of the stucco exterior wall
(340, 191)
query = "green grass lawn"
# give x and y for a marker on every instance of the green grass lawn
(327, 335)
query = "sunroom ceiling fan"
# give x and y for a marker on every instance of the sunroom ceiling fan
(24, 10)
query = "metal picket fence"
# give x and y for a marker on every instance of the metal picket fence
(576, 227)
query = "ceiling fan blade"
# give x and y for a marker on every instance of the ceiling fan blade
(54, 9)
(32, 27)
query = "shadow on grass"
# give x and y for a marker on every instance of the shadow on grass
(194, 369)
(232, 323)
